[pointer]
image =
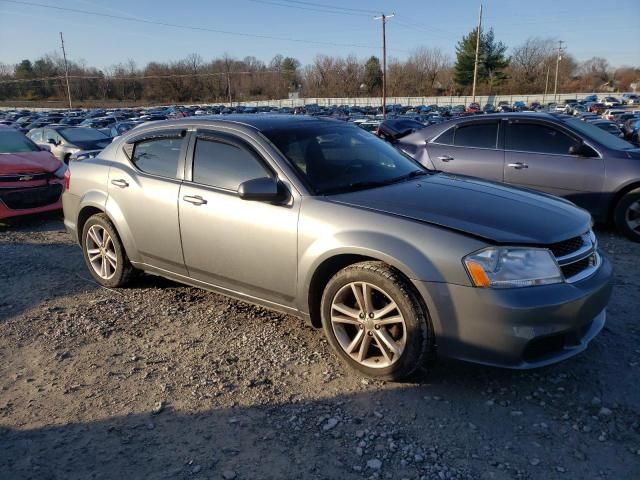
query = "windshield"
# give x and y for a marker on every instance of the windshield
(15, 142)
(81, 134)
(601, 136)
(342, 158)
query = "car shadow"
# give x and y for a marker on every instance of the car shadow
(411, 431)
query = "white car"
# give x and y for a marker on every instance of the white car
(611, 101)
(611, 113)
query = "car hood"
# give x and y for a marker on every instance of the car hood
(484, 209)
(28, 162)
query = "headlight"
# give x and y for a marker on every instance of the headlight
(509, 267)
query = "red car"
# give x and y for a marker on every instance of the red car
(474, 108)
(597, 108)
(31, 179)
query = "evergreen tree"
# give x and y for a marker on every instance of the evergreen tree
(491, 60)
(373, 75)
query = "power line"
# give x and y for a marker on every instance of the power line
(346, 9)
(187, 27)
(331, 12)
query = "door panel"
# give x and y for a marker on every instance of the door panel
(149, 204)
(482, 163)
(472, 149)
(241, 245)
(245, 246)
(574, 177)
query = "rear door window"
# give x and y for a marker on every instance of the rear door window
(446, 138)
(477, 135)
(537, 138)
(158, 156)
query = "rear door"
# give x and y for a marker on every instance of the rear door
(143, 189)
(537, 156)
(470, 148)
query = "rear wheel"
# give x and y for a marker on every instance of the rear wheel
(375, 322)
(104, 253)
(627, 215)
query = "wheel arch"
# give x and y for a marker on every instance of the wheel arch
(618, 196)
(90, 209)
(333, 263)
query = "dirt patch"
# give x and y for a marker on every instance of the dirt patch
(161, 380)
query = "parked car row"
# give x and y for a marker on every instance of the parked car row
(556, 154)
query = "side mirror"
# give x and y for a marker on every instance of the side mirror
(51, 141)
(581, 150)
(265, 189)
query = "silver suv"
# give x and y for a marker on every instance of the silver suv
(320, 219)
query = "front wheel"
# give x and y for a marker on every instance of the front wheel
(627, 215)
(375, 322)
(104, 253)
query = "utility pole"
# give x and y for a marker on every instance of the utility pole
(546, 85)
(475, 67)
(558, 58)
(384, 17)
(66, 69)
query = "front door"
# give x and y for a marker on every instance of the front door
(239, 245)
(537, 157)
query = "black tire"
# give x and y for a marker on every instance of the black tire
(623, 213)
(419, 331)
(124, 271)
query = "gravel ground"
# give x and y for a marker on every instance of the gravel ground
(166, 381)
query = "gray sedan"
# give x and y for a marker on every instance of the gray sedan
(322, 220)
(555, 154)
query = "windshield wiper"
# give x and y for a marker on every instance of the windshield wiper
(352, 187)
(408, 176)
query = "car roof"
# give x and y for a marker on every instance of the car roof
(258, 122)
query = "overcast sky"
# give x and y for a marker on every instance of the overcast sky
(303, 29)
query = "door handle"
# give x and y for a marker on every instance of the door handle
(194, 199)
(445, 158)
(120, 183)
(518, 165)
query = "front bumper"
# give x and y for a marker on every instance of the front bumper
(16, 202)
(519, 327)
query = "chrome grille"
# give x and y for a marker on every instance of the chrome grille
(566, 247)
(577, 257)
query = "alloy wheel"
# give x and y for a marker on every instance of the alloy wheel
(101, 252)
(632, 216)
(368, 324)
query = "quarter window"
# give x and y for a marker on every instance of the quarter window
(158, 156)
(537, 138)
(479, 135)
(223, 165)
